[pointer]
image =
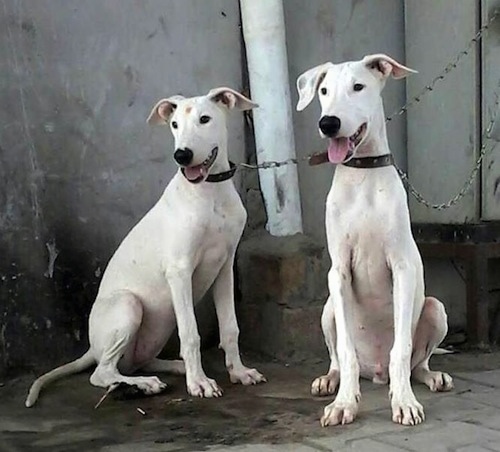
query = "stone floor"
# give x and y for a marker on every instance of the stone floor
(277, 416)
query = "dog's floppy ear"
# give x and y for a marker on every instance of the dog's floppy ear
(163, 109)
(308, 82)
(385, 65)
(231, 99)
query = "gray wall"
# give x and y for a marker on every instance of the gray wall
(490, 83)
(79, 166)
(443, 138)
(443, 130)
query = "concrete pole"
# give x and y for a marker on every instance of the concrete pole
(264, 34)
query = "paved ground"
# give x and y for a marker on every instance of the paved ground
(278, 416)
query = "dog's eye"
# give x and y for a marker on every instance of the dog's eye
(358, 87)
(323, 91)
(174, 124)
(204, 119)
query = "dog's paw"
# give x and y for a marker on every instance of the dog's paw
(246, 376)
(203, 387)
(439, 381)
(326, 384)
(146, 385)
(407, 410)
(340, 411)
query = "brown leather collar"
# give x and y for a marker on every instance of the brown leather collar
(371, 162)
(225, 175)
(360, 162)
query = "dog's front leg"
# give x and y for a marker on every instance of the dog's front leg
(406, 409)
(344, 408)
(198, 384)
(327, 384)
(228, 328)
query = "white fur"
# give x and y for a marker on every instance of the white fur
(377, 322)
(185, 244)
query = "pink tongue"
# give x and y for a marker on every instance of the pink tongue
(338, 149)
(194, 172)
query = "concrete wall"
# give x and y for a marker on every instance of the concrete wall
(490, 83)
(79, 166)
(450, 116)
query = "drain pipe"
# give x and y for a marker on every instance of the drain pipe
(264, 35)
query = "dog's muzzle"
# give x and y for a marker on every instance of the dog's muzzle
(198, 173)
(341, 149)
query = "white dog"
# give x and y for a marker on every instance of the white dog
(185, 244)
(377, 321)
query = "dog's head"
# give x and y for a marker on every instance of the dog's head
(199, 128)
(351, 105)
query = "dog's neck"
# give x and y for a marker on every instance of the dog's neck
(221, 163)
(376, 142)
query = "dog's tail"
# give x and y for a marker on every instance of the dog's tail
(67, 369)
(442, 351)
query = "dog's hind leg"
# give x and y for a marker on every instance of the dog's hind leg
(327, 384)
(431, 330)
(114, 324)
(174, 366)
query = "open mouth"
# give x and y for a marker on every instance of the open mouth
(342, 149)
(198, 173)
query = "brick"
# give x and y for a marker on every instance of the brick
(371, 445)
(145, 446)
(282, 282)
(489, 378)
(288, 334)
(287, 271)
(450, 407)
(488, 397)
(295, 447)
(472, 448)
(365, 427)
(494, 446)
(255, 207)
(449, 436)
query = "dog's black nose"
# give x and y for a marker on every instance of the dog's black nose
(329, 125)
(183, 156)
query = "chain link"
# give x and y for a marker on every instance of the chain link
(484, 150)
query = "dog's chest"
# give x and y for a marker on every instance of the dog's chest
(221, 231)
(226, 220)
(363, 208)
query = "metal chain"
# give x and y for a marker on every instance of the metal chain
(416, 99)
(272, 164)
(447, 69)
(486, 147)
